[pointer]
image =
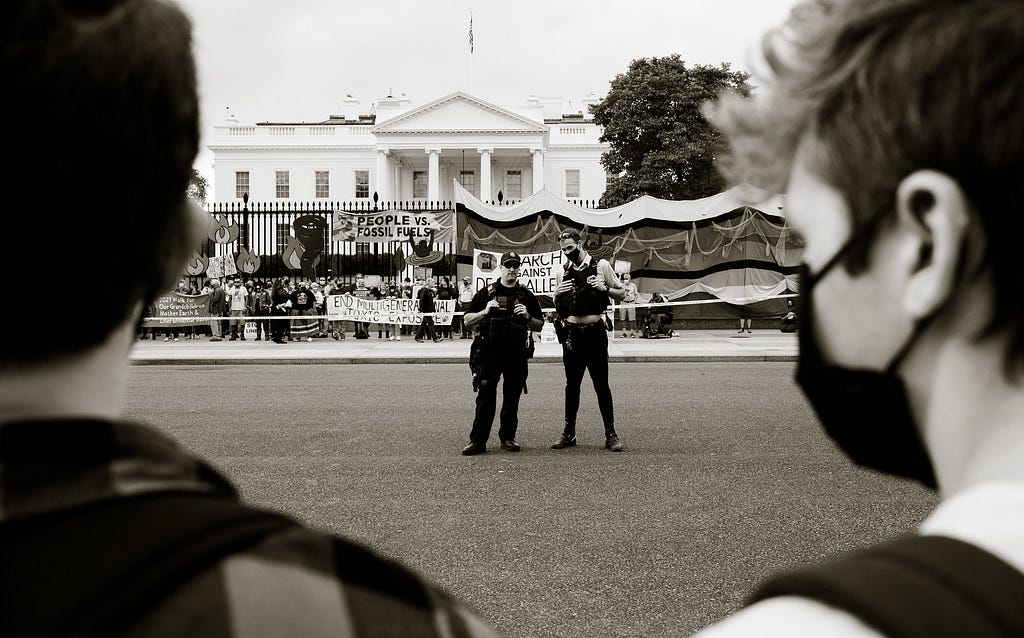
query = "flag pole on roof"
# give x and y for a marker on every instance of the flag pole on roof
(471, 51)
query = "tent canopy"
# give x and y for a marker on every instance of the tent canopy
(645, 208)
(734, 246)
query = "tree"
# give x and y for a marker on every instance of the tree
(661, 145)
(197, 187)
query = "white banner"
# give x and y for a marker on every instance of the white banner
(393, 225)
(537, 273)
(403, 311)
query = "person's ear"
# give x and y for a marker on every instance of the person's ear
(932, 207)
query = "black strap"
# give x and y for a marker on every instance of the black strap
(919, 586)
(95, 570)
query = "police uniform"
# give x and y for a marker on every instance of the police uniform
(504, 340)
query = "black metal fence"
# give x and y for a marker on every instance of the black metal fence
(262, 231)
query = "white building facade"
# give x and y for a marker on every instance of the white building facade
(406, 153)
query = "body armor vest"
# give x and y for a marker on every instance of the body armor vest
(584, 299)
(504, 327)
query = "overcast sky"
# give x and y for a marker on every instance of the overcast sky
(295, 61)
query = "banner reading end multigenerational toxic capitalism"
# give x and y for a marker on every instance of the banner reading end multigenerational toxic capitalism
(393, 225)
(403, 311)
(177, 310)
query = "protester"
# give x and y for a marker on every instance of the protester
(238, 296)
(627, 314)
(896, 130)
(506, 313)
(303, 307)
(217, 307)
(319, 307)
(337, 327)
(426, 306)
(466, 294)
(406, 293)
(582, 291)
(262, 308)
(281, 301)
(445, 292)
(110, 528)
(360, 291)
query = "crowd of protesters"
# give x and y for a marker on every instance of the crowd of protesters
(235, 302)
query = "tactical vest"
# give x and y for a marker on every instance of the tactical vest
(504, 327)
(584, 299)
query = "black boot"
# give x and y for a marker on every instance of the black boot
(611, 439)
(567, 439)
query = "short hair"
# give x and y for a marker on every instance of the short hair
(107, 129)
(887, 87)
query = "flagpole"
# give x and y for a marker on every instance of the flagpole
(471, 51)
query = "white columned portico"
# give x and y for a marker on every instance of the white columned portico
(538, 169)
(384, 175)
(485, 173)
(433, 173)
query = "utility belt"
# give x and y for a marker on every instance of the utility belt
(571, 334)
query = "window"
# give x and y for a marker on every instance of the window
(609, 179)
(241, 183)
(284, 231)
(323, 184)
(468, 181)
(281, 182)
(362, 184)
(419, 184)
(572, 183)
(514, 185)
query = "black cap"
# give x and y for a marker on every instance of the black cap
(569, 233)
(511, 256)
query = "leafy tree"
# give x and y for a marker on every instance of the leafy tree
(197, 186)
(661, 145)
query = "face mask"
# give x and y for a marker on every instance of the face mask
(865, 412)
(574, 254)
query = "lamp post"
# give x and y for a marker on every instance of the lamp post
(245, 219)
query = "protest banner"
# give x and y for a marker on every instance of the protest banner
(393, 226)
(177, 310)
(403, 311)
(538, 271)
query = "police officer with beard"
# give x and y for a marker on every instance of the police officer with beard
(506, 313)
(582, 294)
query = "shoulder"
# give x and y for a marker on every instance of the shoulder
(790, 617)
(300, 582)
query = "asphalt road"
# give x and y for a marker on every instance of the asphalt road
(725, 479)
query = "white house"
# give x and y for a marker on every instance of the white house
(403, 152)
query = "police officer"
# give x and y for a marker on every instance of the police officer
(582, 294)
(506, 312)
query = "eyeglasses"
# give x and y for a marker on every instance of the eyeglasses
(566, 236)
(512, 265)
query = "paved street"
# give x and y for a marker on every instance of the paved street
(725, 478)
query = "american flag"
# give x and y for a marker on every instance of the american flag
(470, 31)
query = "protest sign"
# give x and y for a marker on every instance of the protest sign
(403, 311)
(175, 310)
(538, 271)
(392, 225)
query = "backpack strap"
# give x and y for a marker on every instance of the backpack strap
(918, 586)
(95, 570)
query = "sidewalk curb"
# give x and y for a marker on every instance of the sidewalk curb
(197, 361)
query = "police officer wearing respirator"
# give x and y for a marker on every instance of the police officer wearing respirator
(506, 313)
(582, 293)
